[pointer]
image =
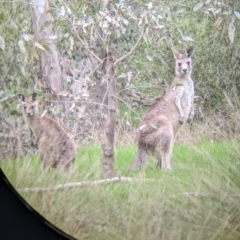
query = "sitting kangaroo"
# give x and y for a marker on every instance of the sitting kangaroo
(161, 123)
(55, 147)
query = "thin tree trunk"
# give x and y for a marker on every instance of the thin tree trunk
(108, 139)
(50, 72)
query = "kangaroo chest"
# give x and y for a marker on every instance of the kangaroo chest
(187, 97)
(35, 126)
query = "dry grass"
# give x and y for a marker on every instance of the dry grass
(214, 127)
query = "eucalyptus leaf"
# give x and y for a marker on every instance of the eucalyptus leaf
(125, 21)
(188, 39)
(53, 37)
(207, 2)
(35, 54)
(150, 5)
(159, 26)
(46, 47)
(218, 22)
(27, 37)
(149, 58)
(23, 71)
(105, 24)
(123, 30)
(69, 10)
(228, 13)
(118, 33)
(85, 95)
(185, 38)
(2, 43)
(198, 6)
(21, 46)
(231, 32)
(3, 99)
(77, 98)
(237, 14)
(71, 42)
(63, 93)
(66, 35)
(63, 11)
(38, 45)
(213, 10)
(122, 75)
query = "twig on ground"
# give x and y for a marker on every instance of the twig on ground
(86, 183)
(119, 180)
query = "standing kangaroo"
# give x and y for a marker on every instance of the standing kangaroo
(55, 147)
(161, 123)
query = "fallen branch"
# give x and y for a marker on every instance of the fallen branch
(86, 183)
(124, 180)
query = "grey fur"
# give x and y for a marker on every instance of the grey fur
(56, 149)
(161, 123)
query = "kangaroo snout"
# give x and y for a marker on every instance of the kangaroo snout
(185, 70)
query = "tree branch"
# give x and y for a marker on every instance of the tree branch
(84, 44)
(131, 52)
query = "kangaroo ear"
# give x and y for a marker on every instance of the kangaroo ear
(176, 54)
(189, 51)
(21, 97)
(34, 97)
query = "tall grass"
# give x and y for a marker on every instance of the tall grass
(198, 199)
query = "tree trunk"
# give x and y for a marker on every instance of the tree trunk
(108, 139)
(50, 72)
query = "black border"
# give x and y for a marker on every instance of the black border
(18, 220)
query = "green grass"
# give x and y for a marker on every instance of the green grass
(141, 210)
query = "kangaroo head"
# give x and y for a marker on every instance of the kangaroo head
(30, 105)
(183, 62)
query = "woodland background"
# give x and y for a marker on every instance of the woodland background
(61, 50)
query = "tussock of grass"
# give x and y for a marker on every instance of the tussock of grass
(142, 210)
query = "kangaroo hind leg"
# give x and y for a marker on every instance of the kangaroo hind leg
(140, 160)
(163, 150)
(166, 157)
